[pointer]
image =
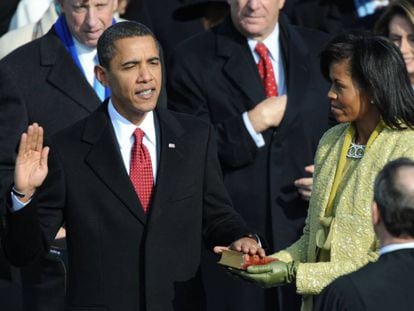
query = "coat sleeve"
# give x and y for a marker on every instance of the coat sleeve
(188, 93)
(222, 225)
(341, 295)
(29, 232)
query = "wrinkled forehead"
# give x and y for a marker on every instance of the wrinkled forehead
(84, 2)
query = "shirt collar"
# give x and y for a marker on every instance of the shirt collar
(84, 51)
(271, 42)
(124, 128)
(395, 247)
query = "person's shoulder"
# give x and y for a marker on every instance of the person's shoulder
(20, 54)
(334, 132)
(330, 138)
(70, 133)
(85, 128)
(402, 138)
(186, 121)
(311, 37)
(312, 33)
(200, 42)
(206, 42)
(341, 294)
(14, 39)
(362, 279)
(342, 284)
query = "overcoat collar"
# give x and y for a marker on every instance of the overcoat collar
(64, 74)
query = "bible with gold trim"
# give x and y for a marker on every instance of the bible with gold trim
(238, 260)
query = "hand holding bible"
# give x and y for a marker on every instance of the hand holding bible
(272, 274)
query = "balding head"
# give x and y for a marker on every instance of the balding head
(394, 195)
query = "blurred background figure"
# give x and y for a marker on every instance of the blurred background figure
(7, 9)
(386, 284)
(158, 16)
(28, 12)
(17, 37)
(397, 23)
(324, 15)
(209, 13)
(334, 16)
(369, 7)
(122, 6)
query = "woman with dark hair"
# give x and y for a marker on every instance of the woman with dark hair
(397, 23)
(372, 99)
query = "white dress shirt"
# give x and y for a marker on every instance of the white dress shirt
(124, 131)
(87, 58)
(273, 45)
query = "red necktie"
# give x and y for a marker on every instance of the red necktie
(140, 170)
(266, 70)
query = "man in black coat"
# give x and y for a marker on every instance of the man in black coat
(42, 82)
(386, 284)
(264, 144)
(125, 253)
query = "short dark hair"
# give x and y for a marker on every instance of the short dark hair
(403, 8)
(394, 199)
(377, 69)
(121, 30)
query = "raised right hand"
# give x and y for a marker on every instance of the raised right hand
(31, 162)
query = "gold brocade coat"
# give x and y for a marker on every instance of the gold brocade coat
(353, 239)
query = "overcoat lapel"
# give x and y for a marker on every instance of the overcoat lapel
(64, 73)
(105, 160)
(241, 68)
(295, 55)
(173, 154)
(239, 65)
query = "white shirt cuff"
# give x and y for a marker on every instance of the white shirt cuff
(257, 137)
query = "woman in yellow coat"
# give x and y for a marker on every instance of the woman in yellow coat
(372, 98)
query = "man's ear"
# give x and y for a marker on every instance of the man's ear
(101, 74)
(376, 216)
(114, 6)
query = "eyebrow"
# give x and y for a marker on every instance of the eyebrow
(135, 61)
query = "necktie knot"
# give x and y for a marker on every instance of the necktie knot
(139, 135)
(262, 50)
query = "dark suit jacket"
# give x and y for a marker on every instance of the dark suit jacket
(39, 82)
(380, 286)
(214, 76)
(119, 257)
